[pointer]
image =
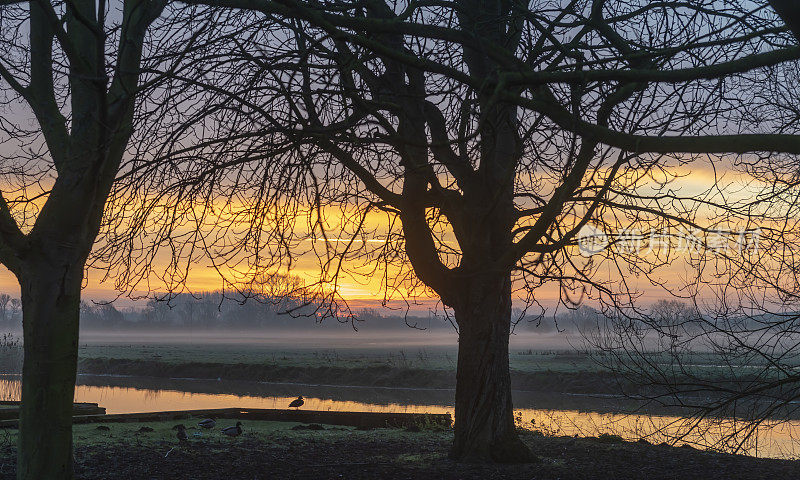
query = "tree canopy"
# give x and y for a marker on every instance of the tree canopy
(466, 148)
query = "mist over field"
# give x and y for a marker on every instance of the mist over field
(210, 318)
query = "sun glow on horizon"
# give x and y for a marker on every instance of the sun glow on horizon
(364, 279)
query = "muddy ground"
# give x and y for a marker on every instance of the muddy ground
(272, 450)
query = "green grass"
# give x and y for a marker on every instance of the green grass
(441, 359)
(257, 355)
(421, 460)
(87, 435)
(521, 360)
(434, 359)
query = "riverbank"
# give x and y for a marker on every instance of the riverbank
(268, 450)
(584, 382)
(430, 368)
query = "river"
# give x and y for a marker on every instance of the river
(555, 414)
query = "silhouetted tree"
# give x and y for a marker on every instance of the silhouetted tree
(490, 135)
(75, 69)
(5, 300)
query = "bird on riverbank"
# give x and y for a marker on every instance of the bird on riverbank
(207, 423)
(181, 434)
(297, 403)
(234, 431)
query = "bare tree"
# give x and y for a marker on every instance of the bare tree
(4, 301)
(729, 356)
(73, 68)
(490, 136)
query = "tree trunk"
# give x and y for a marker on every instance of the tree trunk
(484, 423)
(51, 308)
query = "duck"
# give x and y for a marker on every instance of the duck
(207, 423)
(297, 403)
(234, 431)
(181, 434)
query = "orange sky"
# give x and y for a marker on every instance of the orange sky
(367, 290)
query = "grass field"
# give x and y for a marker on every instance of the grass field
(158, 434)
(437, 358)
(268, 450)
(431, 366)
(528, 360)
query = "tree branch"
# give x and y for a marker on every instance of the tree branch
(707, 72)
(734, 143)
(789, 11)
(12, 240)
(40, 92)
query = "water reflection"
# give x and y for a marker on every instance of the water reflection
(10, 388)
(130, 395)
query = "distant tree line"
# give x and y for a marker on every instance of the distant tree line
(10, 311)
(218, 310)
(665, 315)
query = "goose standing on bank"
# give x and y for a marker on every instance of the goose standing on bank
(297, 402)
(207, 423)
(181, 434)
(234, 431)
